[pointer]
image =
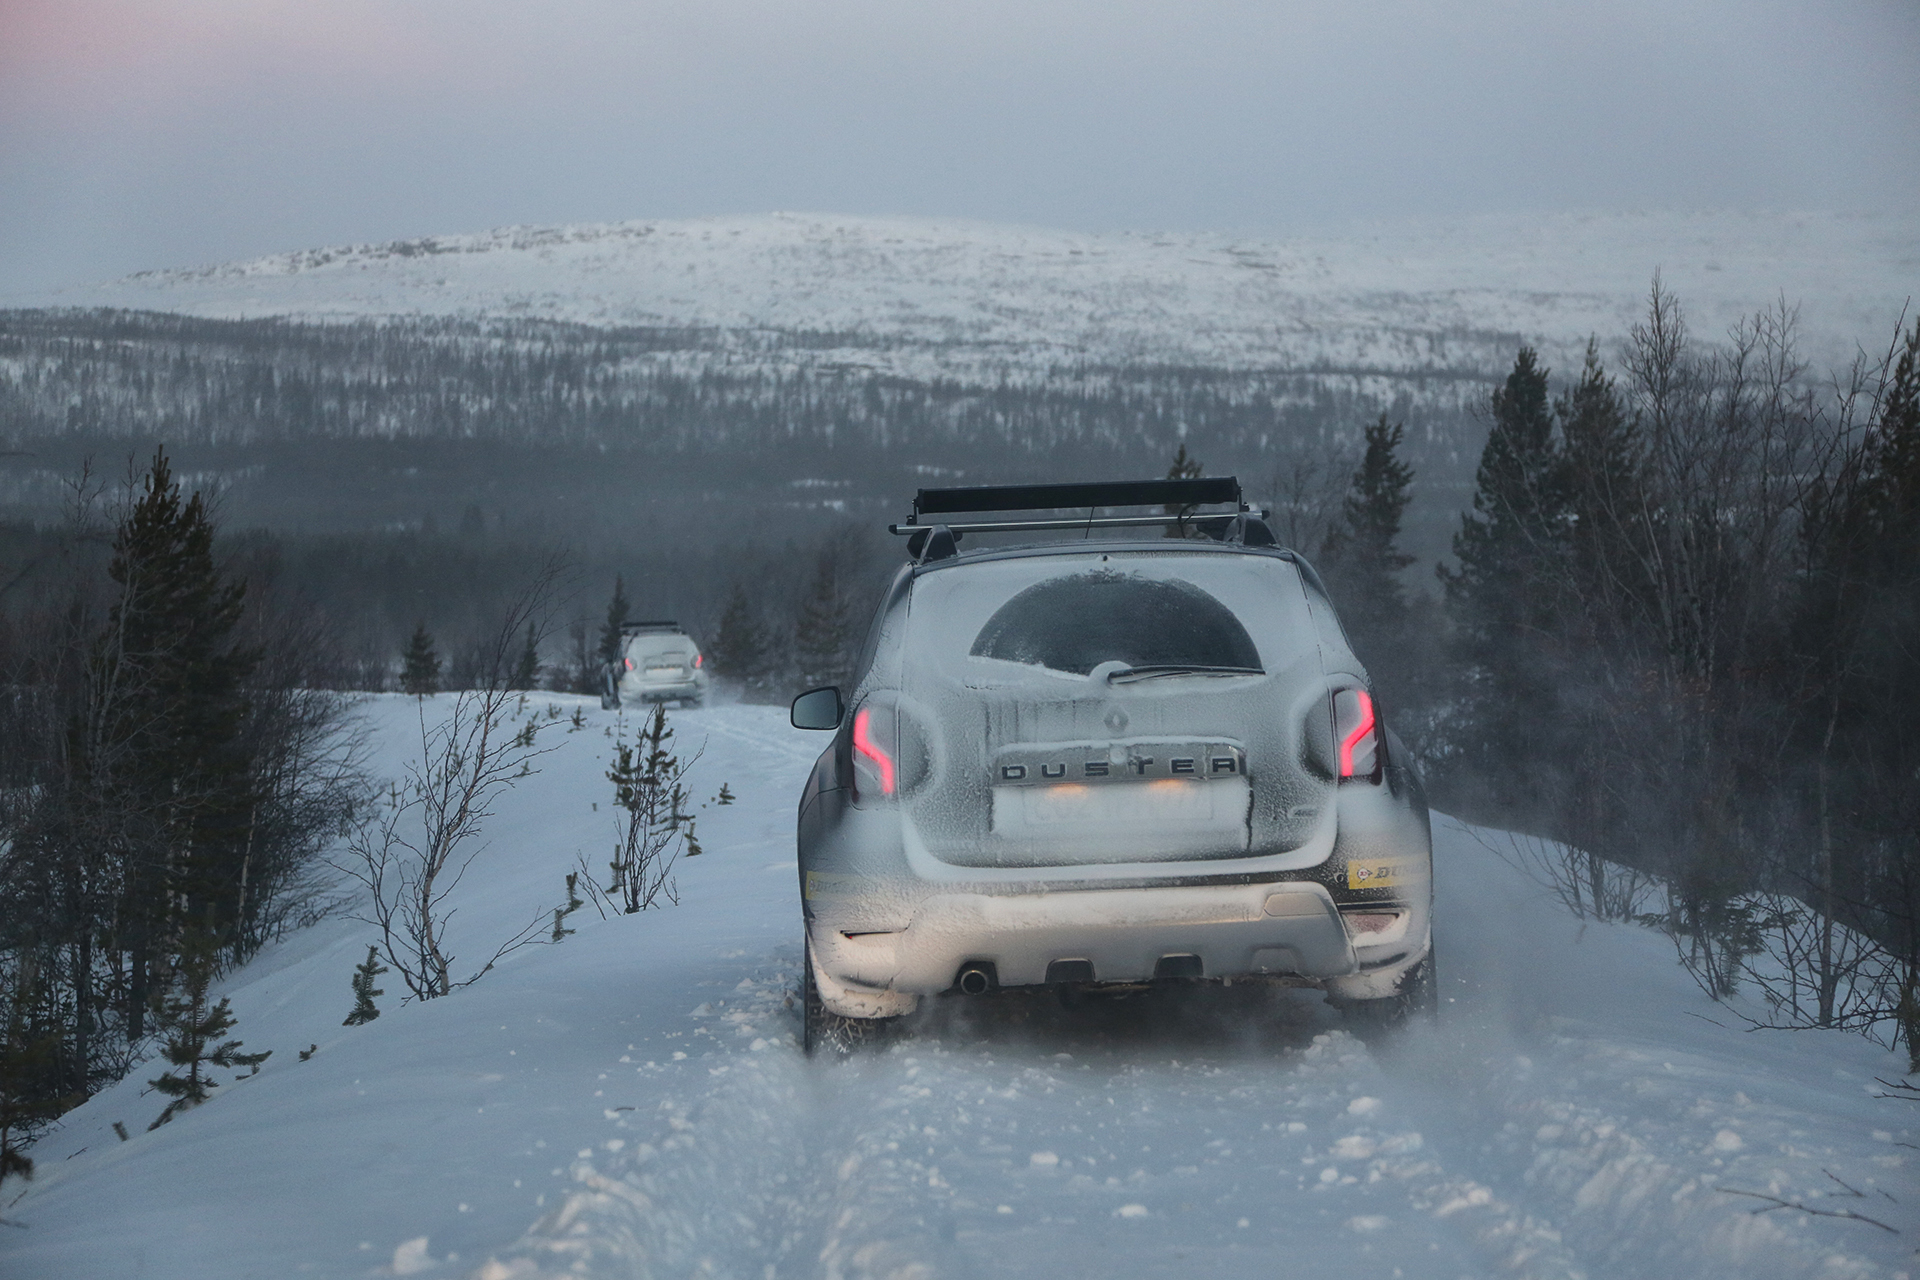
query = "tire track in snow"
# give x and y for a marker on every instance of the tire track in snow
(1007, 1138)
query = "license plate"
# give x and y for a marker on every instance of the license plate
(1164, 818)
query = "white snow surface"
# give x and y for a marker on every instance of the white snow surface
(632, 1102)
(924, 297)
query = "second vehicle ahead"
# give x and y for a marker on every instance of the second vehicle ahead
(659, 662)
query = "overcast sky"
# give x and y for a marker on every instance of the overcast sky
(153, 133)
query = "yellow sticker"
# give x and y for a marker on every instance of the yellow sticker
(1378, 874)
(826, 886)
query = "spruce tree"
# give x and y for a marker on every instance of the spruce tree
(420, 669)
(739, 648)
(612, 638)
(1503, 604)
(526, 671)
(1604, 493)
(165, 749)
(29, 1052)
(1361, 562)
(823, 624)
(194, 1030)
(1517, 500)
(1360, 557)
(364, 1010)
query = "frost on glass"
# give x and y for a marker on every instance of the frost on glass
(1077, 621)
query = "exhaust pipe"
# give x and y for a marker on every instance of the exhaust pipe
(976, 979)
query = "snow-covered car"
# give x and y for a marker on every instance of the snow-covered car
(1107, 763)
(659, 663)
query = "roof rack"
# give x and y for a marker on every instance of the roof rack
(634, 628)
(1177, 498)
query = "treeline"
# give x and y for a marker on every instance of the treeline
(109, 374)
(1682, 637)
(554, 433)
(169, 776)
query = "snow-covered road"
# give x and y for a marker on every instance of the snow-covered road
(632, 1102)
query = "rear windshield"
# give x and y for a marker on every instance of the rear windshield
(1078, 621)
(1058, 616)
(662, 645)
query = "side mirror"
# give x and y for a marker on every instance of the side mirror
(818, 709)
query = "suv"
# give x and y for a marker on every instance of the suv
(659, 661)
(1107, 763)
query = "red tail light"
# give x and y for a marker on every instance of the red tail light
(1357, 731)
(629, 664)
(871, 759)
(698, 658)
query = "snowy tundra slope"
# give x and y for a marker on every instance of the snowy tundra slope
(631, 1103)
(920, 297)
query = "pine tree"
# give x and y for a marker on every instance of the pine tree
(1360, 558)
(364, 1010)
(1509, 549)
(191, 1026)
(1517, 500)
(823, 624)
(29, 1050)
(165, 747)
(1603, 491)
(526, 672)
(420, 674)
(739, 648)
(612, 638)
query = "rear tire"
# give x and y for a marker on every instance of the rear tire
(1418, 999)
(820, 1028)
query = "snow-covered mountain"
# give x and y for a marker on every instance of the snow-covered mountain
(632, 1102)
(929, 297)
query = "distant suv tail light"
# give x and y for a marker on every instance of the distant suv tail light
(699, 659)
(874, 749)
(1356, 732)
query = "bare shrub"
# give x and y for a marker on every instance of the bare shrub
(412, 859)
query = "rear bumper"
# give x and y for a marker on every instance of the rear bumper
(1289, 928)
(633, 689)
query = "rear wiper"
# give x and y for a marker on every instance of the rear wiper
(1155, 671)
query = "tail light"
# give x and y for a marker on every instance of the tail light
(629, 664)
(874, 749)
(887, 747)
(698, 659)
(1356, 731)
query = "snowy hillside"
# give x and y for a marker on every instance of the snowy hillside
(631, 1102)
(920, 297)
